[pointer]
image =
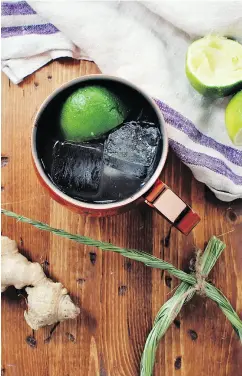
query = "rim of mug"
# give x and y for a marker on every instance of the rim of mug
(83, 204)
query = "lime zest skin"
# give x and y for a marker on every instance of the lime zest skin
(91, 111)
(233, 119)
(214, 66)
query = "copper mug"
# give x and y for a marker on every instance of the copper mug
(155, 193)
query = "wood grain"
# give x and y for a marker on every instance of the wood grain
(118, 298)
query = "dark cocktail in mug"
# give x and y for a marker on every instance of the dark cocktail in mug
(99, 144)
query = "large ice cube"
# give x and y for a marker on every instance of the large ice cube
(77, 168)
(132, 148)
(116, 185)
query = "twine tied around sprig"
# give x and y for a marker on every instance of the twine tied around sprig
(200, 285)
(200, 276)
(191, 284)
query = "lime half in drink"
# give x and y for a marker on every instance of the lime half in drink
(90, 112)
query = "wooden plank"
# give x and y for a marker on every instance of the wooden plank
(118, 298)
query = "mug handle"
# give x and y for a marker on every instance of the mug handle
(171, 206)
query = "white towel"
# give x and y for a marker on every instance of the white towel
(144, 42)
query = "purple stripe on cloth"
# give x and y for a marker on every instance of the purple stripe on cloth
(200, 159)
(178, 121)
(29, 29)
(14, 9)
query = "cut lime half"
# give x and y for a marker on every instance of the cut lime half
(214, 66)
(90, 112)
(233, 119)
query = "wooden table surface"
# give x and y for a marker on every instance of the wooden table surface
(118, 298)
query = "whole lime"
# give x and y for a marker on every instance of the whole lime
(233, 119)
(90, 112)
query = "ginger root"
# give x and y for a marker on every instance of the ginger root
(48, 301)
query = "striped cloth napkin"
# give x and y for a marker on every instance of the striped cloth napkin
(144, 42)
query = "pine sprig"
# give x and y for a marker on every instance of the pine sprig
(163, 320)
(133, 254)
(173, 306)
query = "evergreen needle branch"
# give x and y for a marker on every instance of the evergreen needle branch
(163, 320)
(172, 307)
(215, 294)
(133, 254)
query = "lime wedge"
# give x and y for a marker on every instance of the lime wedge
(214, 66)
(233, 119)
